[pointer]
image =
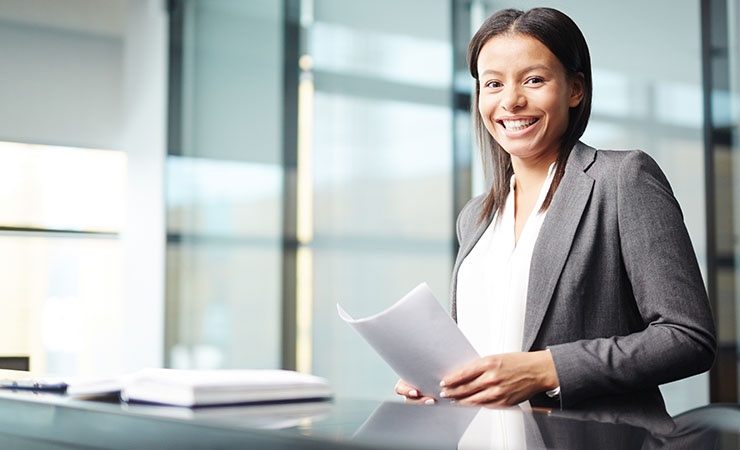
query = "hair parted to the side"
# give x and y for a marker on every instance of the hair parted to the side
(564, 39)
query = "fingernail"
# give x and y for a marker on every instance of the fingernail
(429, 401)
(442, 383)
(443, 394)
(413, 393)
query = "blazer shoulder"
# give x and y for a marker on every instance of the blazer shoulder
(623, 163)
(629, 176)
(619, 157)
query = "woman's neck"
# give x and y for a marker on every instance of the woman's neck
(531, 174)
(528, 183)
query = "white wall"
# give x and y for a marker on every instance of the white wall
(60, 86)
(93, 74)
(144, 140)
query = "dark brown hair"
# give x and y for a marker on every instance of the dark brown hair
(564, 39)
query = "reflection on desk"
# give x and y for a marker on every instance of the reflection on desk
(29, 420)
(269, 416)
(396, 425)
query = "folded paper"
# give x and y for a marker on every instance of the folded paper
(417, 338)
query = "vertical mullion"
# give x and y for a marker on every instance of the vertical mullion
(291, 78)
(176, 9)
(461, 167)
(723, 376)
(176, 26)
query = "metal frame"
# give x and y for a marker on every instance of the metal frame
(715, 76)
(291, 78)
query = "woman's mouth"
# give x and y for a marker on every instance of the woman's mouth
(517, 124)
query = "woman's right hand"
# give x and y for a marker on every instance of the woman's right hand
(412, 394)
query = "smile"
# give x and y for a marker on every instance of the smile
(517, 124)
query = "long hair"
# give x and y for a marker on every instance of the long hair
(564, 39)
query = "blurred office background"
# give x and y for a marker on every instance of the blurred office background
(198, 183)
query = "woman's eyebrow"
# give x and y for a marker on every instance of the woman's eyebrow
(533, 67)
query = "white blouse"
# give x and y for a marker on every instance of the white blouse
(493, 279)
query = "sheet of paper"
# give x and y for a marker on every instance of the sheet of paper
(417, 338)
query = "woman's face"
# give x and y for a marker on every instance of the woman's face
(525, 96)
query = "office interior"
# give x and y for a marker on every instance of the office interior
(198, 183)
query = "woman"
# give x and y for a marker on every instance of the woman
(576, 276)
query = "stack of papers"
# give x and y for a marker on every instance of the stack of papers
(222, 387)
(191, 388)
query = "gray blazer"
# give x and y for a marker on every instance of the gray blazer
(615, 291)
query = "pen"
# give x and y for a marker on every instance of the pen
(34, 384)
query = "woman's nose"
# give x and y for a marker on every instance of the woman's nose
(512, 99)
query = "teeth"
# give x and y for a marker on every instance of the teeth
(517, 125)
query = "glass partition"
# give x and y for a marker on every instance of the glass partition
(224, 185)
(371, 216)
(382, 173)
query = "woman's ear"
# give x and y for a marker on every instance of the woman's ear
(577, 90)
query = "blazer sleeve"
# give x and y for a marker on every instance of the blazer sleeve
(678, 338)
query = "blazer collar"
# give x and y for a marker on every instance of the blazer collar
(556, 237)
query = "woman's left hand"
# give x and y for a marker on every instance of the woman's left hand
(501, 380)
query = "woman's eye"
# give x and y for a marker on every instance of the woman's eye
(493, 84)
(535, 80)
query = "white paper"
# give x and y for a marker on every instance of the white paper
(417, 338)
(194, 387)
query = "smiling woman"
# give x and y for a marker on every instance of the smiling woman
(524, 100)
(560, 55)
(576, 278)
(525, 96)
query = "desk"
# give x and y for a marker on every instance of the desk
(48, 421)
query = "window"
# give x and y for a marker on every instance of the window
(60, 258)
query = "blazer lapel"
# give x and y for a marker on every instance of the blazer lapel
(464, 250)
(556, 237)
(479, 230)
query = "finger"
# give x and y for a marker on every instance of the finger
(496, 395)
(463, 375)
(402, 387)
(470, 387)
(461, 391)
(405, 389)
(488, 397)
(423, 400)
